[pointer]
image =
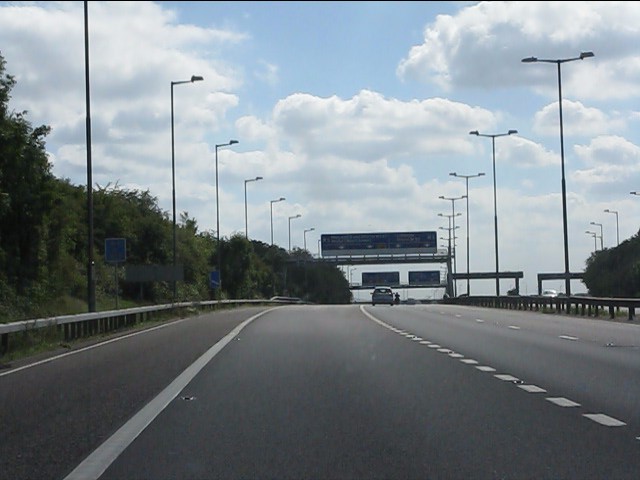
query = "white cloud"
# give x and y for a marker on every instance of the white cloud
(482, 46)
(369, 160)
(269, 73)
(577, 120)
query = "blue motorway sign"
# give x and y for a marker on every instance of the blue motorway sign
(115, 250)
(392, 243)
(214, 280)
(388, 279)
(424, 278)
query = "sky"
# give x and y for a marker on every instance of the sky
(356, 113)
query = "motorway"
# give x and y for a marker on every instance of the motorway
(341, 391)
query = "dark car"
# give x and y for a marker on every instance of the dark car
(382, 295)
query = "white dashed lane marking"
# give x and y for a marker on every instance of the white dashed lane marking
(605, 420)
(485, 368)
(568, 337)
(599, 418)
(563, 402)
(532, 388)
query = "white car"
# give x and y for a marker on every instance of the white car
(550, 293)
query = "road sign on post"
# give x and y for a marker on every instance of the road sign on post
(214, 280)
(115, 250)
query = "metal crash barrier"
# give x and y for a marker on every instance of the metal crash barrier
(577, 305)
(85, 325)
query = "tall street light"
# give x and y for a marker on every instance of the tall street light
(601, 241)
(291, 218)
(305, 236)
(91, 284)
(453, 216)
(449, 278)
(281, 199)
(559, 62)
(495, 196)
(595, 241)
(617, 224)
(194, 78)
(246, 222)
(466, 178)
(231, 142)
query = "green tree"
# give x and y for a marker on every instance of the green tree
(27, 185)
(44, 233)
(615, 272)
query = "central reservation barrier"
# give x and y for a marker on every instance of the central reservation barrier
(578, 305)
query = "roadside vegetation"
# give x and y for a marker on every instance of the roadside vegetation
(44, 241)
(615, 272)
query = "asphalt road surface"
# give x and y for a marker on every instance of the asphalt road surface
(319, 392)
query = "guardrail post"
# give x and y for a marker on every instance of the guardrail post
(4, 344)
(612, 312)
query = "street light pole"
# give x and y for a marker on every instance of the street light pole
(305, 236)
(91, 284)
(246, 222)
(449, 276)
(281, 199)
(466, 178)
(601, 241)
(219, 250)
(453, 216)
(194, 78)
(617, 225)
(495, 195)
(595, 241)
(559, 62)
(291, 218)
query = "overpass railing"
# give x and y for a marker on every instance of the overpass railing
(580, 305)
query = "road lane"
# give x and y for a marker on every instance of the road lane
(54, 414)
(329, 392)
(587, 369)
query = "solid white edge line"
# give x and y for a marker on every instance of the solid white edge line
(90, 347)
(92, 467)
